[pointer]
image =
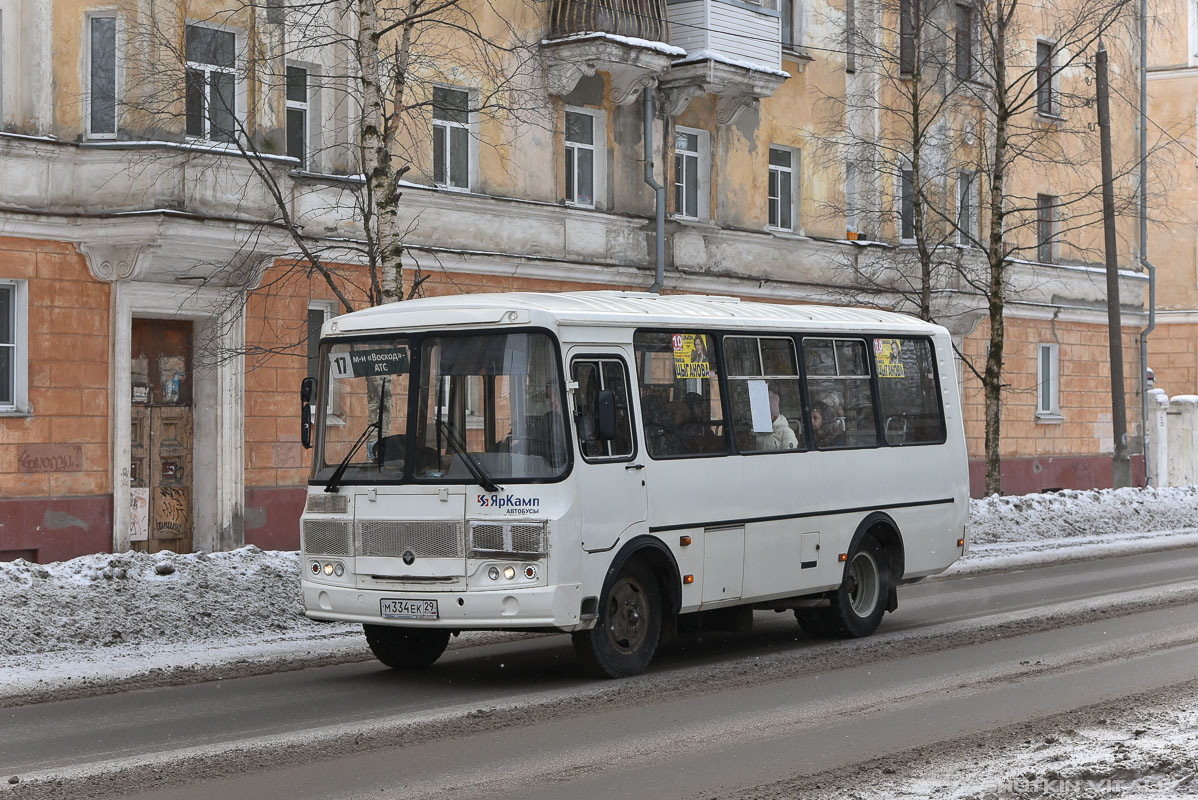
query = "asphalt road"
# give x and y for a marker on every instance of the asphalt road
(717, 713)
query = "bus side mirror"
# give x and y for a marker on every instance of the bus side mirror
(605, 407)
(307, 391)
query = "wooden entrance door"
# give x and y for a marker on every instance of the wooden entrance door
(161, 436)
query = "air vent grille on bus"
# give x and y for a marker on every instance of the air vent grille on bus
(488, 538)
(426, 539)
(326, 537)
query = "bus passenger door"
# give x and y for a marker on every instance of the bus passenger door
(610, 492)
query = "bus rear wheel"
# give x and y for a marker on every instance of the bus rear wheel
(406, 648)
(860, 601)
(625, 637)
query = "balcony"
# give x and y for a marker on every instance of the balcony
(628, 39)
(734, 51)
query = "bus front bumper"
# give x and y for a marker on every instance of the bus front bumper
(555, 606)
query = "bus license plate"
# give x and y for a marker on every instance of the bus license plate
(398, 608)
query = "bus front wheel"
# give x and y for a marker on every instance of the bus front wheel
(860, 601)
(625, 637)
(406, 648)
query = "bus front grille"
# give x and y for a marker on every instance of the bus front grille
(326, 537)
(426, 539)
(492, 538)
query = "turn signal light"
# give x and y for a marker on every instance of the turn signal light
(688, 579)
(683, 541)
(960, 543)
(843, 557)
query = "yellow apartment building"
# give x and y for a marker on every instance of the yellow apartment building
(162, 159)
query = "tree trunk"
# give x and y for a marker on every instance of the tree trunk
(997, 258)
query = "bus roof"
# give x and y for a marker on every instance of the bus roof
(608, 308)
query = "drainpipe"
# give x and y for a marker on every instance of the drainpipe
(1148, 476)
(660, 274)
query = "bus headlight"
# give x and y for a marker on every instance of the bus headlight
(328, 569)
(509, 572)
(493, 573)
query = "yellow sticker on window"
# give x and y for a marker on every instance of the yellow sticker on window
(886, 356)
(691, 359)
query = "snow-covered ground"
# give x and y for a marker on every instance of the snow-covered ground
(110, 618)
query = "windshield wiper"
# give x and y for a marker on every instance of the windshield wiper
(480, 475)
(335, 479)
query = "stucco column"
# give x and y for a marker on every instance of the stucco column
(1183, 440)
(1157, 436)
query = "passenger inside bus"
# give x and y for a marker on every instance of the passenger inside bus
(827, 426)
(782, 437)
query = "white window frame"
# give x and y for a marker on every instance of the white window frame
(1048, 398)
(240, 89)
(899, 196)
(471, 128)
(851, 212)
(118, 71)
(972, 179)
(702, 172)
(20, 347)
(598, 155)
(1054, 87)
(795, 171)
(306, 106)
(1053, 221)
(333, 413)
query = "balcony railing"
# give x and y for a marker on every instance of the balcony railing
(640, 19)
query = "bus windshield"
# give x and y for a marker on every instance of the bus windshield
(497, 397)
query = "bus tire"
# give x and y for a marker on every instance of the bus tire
(625, 636)
(406, 648)
(860, 601)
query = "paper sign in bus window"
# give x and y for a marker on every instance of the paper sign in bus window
(759, 406)
(887, 355)
(369, 363)
(691, 359)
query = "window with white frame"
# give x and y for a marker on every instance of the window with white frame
(1048, 380)
(967, 208)
(13, 345)
(1046, 225)
(1046, 90)
(298, 113)
(963, 39)
(451, 138)
(850, 197)
(691, 173)
(784, 168)
(101, 76)
(211, 90)
(792, 23)
(319, 312)
(585, 135)
(906, 205)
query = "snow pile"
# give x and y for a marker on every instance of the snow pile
(1070, 513)
(132, 598)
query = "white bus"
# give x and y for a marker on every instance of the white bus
(621, 465)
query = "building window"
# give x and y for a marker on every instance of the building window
(211, 83)
(1046, 223)
(850, 36)
(967, 208)
(1048, 381)
(792, 27)
(1046, 100)
(850, 199)
(581, 160)
(451, 138)
(297, 114)
(13, 345)
(908, 35)
(907, 206)
(964, 42)
(102, 77)
(690, 173)
(784, 164)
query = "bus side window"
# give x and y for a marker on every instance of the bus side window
(594, 375)
(681, 406)
(907, 392)
(838, 384)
